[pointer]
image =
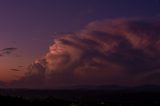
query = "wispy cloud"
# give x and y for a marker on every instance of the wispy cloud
(14, 69)
(7, 51)
(21, 66)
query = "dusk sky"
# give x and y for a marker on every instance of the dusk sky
(34, 34)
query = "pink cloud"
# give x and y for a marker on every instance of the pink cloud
(110, 52)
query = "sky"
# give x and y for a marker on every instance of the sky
(30, 32)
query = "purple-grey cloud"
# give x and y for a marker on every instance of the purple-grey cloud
(7, 51)
(118, 51)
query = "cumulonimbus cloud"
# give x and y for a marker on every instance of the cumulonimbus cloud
(118, 51)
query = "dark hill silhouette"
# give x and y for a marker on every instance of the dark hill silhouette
(147, 95)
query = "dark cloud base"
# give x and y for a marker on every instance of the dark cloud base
(109, 52)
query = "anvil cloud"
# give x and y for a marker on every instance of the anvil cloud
(107, 52)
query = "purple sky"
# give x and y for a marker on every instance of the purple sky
(29, 25)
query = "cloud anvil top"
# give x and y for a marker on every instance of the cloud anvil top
(109, 52)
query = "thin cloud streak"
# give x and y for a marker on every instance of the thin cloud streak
(14, 69)
(7, 51)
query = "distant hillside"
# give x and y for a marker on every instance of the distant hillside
(118, 88)
(2, 84)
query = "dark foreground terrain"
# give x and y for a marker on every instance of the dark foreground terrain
(79, 97)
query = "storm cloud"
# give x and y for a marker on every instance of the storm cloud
(107, 52)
